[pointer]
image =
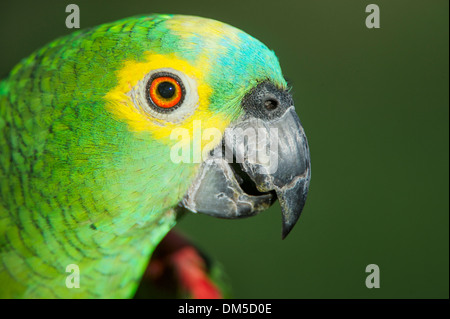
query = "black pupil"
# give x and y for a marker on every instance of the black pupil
(166, 90)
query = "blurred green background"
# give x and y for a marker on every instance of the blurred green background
(374, 104)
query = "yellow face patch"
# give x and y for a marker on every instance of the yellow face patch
(122, 106)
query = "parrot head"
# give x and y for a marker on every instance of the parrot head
(217, 96)
(154, 112)
(198, 112)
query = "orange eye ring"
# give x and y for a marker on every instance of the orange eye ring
(165, 91)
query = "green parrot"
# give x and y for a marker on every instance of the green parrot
(109, 134)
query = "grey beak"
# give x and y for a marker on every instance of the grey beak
(262, 158)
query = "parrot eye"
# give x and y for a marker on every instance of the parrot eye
(165, 92)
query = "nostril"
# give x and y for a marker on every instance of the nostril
(271, 104)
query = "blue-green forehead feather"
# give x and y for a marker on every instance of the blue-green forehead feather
(193, 37)
(237, 61)
(229, 49)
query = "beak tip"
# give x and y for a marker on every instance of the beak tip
(288, 225)
(285, 232)
(292, 202)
